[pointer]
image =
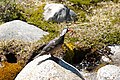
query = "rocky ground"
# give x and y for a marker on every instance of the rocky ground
(94, 45)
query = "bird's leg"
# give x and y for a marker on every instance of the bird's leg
(55, 59)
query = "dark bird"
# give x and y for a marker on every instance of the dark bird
(54, 44)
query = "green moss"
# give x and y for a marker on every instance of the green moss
(89, 2)
(36, 18)
(116, 1)
(82, 17)
(112, 38)
(116, 19)
(69, 52)
(84, 2)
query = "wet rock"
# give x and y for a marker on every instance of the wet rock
(48, 70)
(20, 30)
(58, 13)
(108, 72)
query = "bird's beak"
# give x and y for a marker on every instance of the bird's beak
(70, 30)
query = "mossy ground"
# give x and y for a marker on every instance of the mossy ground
(96, 25)
(9, 70)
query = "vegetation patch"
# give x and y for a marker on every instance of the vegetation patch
(9, 70)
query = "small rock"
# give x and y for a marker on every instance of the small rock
(108, 72)
(20, 30)
(115, 50)
(48, 70)
(106, 59)
(58, 13)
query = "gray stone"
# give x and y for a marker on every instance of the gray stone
(58, 13)
(89, 75)
(20, 30)
(108, 72)
(115, 50)
(106, 59)
(48, 70)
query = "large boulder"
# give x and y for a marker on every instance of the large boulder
(89, 75)
(58, 13)
(108, 72)
(20, 30)
(48, 70)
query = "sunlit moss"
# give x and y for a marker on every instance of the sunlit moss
(84, 2)
(9, 71)
(69, 52)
